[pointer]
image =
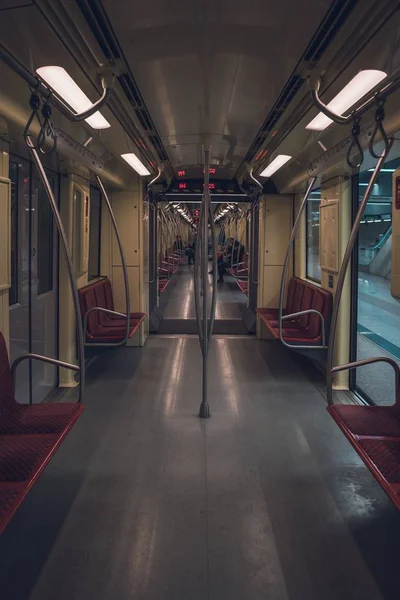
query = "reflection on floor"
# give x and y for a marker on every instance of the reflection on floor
(378, 334)
(177, 302)
(144, 501)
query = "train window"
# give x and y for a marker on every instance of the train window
(313, 270)
(13, 292)
(378, 311)
(45, 240)
(95, 233)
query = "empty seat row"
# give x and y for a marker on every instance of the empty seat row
(30, 434)
(162, 285)
(303, 329)
(243, 285)
(374, 432)
(103, 327)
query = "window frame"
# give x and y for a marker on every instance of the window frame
(91, 276)
(14, 256)
(309, 201)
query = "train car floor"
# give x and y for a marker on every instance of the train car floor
(178, 308)
(145, 501)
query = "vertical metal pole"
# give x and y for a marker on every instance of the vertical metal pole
(343, 270)
(123, 262)
(204, 412)
(289, 251)
(70, 268)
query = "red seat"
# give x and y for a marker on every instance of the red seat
(29, 436)
(103, 327)
(162, 285)
(243, 285)
(303, 329)
(374, 432)
(367, 420)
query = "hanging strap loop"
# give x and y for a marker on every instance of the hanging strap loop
(355, 143)
(379, 118)
(47, 131)
(45, 127)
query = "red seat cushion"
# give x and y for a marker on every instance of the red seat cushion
(367, 420)
(22, 455)
(40, 419)
(385, 454)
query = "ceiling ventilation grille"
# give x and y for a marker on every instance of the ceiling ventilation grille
(101, 27)
(330, 26)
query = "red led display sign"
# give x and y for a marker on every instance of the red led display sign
(182, 186)
(181, 173)
(211, 170)
(211, 186)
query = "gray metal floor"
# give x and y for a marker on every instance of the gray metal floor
(266, 500)
(178, 299)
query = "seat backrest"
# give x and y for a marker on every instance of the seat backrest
(290, 295)
(7, 399)
(298, 297)
(101, 301)
(108, 294)
(319, 303)
(89, 299)
(306, 303)
(100, 294)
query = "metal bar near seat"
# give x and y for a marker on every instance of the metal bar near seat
(45, 359)
(286, 265)
(68, 258)
(374, 359)
(343, 269)
(309, 311)
(205, 324)
(125, 274)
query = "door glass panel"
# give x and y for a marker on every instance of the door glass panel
(44, 241)
(13, 293)
(78, 228)
(33, 301)
(94, 233)
(21, 257)
(43, 293)
(313, 270)
(378, 320)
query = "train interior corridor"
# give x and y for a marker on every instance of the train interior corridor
(149, 502)
(199, 300)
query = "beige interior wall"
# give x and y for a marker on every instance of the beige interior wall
(67, 323)
(5, 243)
(300, 255)
(395, 278)
(336, 194)
(128, 210)
(275, 224)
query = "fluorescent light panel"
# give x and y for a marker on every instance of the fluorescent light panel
(356, 89)
(383, 170)
(135, 163)
(276, 164)
(58, 80)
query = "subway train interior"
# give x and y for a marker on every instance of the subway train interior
(199, 299)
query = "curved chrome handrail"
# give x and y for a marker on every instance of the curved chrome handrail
(69, 263)
(343, 269)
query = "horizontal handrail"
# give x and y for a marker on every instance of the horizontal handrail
(107, 311)
(45, 359)
(299, 314)
(368, 361)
